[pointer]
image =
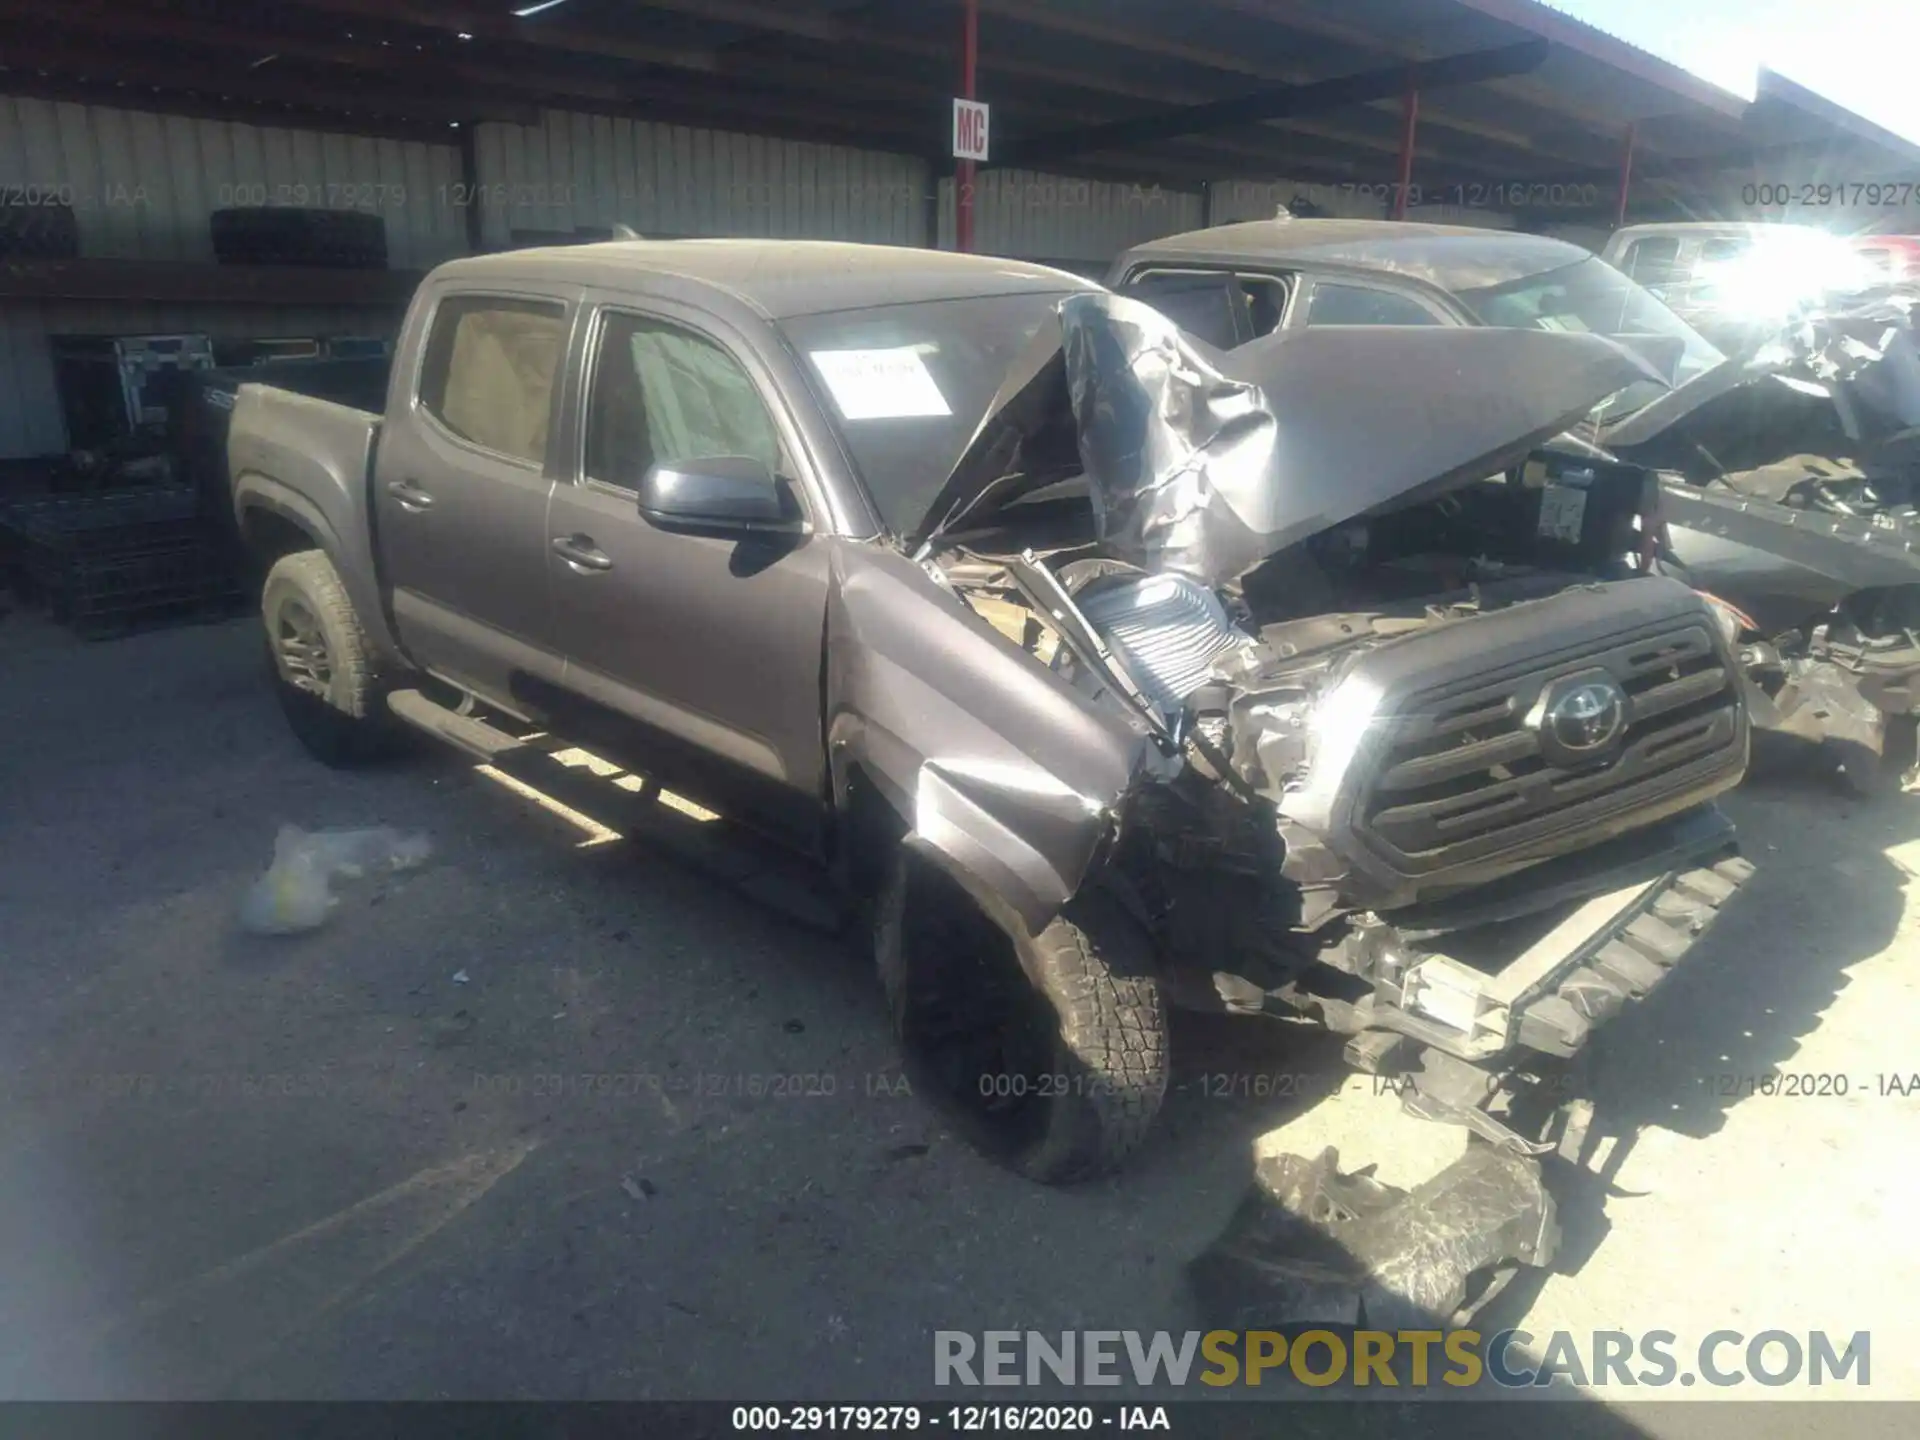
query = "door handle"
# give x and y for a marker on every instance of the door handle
(580, 552)
(410, 495)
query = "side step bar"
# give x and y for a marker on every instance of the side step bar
(758, 870)
(475, 736)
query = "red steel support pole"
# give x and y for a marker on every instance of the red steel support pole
(1409, 123)
(1626, 178)
(963, 174)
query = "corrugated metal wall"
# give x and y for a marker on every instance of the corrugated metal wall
(577, 170)
(1083, 223)
(1593, 237)
(142, 185)
(1478, 217)
(1235, 200)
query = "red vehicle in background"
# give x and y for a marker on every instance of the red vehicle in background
(1898, 256)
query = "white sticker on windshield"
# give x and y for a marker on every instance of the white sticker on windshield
(1562, 511)
(880, 384)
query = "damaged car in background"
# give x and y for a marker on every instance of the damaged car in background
(1787, 475)
(1791, 496)
(1263, 682)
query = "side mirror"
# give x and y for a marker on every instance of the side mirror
(718, 495)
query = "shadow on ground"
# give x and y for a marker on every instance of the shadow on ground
(564, 1118)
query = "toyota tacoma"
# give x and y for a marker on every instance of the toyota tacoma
(1109, 670)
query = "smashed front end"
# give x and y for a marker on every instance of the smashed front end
(1437, 760)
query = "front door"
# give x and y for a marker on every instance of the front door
(703, 653)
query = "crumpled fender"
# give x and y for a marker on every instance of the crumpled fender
(1820, 702)
(1004, 774)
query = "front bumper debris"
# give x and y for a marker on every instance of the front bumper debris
(1846, 714)
(1482, 1045)
(1613, 947)
(1311, 1246)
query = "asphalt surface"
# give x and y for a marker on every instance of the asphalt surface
(560, 1116)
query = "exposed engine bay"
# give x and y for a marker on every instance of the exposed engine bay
(1382, 723)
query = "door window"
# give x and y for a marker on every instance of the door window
(1267, 300)
(662, 395)
(489, 371)
(1653, 261)
(1226, 310)
(1362, 305)
(1211, 307)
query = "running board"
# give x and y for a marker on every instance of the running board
(758, 870)
(475, 736)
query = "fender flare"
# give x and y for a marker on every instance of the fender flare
(255, 492)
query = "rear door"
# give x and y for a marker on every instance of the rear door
(696, 658)
(462, 481)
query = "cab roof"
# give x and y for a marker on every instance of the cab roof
(1451, 257)
(782, 278)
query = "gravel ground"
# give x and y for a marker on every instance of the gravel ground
(324, 1167)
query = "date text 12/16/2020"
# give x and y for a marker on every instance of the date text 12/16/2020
(1813, 1084)
(959, 1419)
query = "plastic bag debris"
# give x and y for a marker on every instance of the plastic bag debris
(296, 893)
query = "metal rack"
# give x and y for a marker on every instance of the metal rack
(108, 563)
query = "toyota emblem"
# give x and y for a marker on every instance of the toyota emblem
(1579, 718)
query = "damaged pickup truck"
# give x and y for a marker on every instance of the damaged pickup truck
(1109, 670)
(1788, 475)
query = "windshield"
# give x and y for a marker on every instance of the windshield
(909, 384)
(1591, 296)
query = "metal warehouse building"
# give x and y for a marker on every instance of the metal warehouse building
(465, 125)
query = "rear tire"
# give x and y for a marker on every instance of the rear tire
(323, 668)
(1048, 1051)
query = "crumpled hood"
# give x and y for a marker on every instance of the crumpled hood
(1204, 463)
(1848, 375)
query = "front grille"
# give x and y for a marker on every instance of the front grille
(1463, 775)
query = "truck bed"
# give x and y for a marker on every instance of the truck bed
(319, 448)
(205, 411)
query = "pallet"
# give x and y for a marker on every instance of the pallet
(111, 563)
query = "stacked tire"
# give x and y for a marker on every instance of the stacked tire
(36, 227)
(287, 235)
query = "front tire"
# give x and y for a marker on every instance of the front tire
(1049, 1051)
(323, 669)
